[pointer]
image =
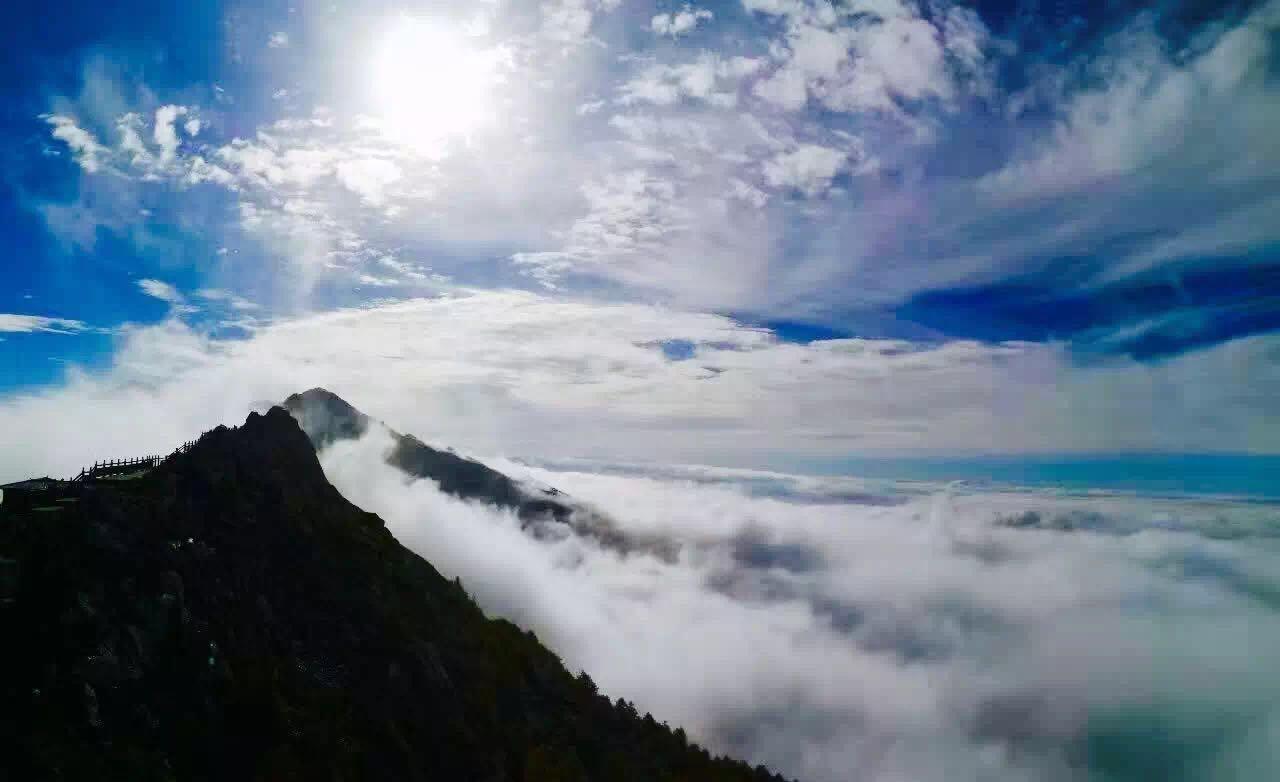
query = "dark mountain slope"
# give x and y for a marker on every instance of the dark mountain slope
(327, 418)
(229, 616)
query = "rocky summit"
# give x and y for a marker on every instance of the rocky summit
(228, 615)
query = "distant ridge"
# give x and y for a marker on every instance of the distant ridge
(327, 418)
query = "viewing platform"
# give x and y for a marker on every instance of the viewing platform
(47, 493)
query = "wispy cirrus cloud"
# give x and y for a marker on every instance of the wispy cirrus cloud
(18, 324)
(158, 289)
(791, 161)
(839, 60)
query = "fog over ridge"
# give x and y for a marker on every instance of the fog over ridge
(938, 636)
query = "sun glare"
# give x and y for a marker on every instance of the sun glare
(431, 84)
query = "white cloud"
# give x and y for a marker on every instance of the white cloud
(1137, 101)
(88, 153)
(10, 323)
(1135, 124)
(532, 375)
(748, 193)
(710, 78)
(569, 21)
(132, 157)
(165, 134)
(222, 296)
(906, 55)
(630, 219)
(776, 7)
(870, 56)
(200, 170)
(966, 38)
(691, 155)
(907, 635)
(165, 292)
(278, 40)
(788, 88)
(129, 126)
(368, 177)
(375, 281)
(679, 196)
(808, 168)
(677, 23)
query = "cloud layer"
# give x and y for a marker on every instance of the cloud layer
(905, 635)
(532, 375)
(18, 324)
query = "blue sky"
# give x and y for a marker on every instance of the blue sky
(1073, 204)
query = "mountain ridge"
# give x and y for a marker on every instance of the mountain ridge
(229, 615)
(328, 418)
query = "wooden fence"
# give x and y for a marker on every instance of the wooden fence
(112, 467)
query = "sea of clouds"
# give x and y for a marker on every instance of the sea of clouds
(839, 629)
(835, 629)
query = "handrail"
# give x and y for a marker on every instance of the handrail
(117, 466)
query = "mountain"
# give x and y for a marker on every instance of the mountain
(327, 419)
(228, 615)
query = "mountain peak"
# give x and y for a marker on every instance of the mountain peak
(230, 616)
(268, 449)
(326, 417)
(318, 394)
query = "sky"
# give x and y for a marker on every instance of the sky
(770, 233)
(725, 273)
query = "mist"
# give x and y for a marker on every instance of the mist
(903, 635)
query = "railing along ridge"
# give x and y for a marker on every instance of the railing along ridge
(118, 466)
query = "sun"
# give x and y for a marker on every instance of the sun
(432, 85)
